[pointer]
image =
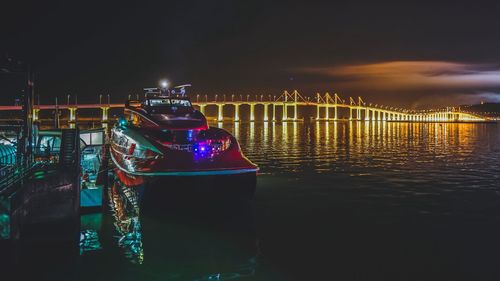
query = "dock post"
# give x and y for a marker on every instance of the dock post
(274, 112)
(105, 110)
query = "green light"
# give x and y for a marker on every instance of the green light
(122, 122)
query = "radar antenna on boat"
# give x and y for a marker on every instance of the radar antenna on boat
(182, 89)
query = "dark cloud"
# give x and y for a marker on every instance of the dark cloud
(87, 48)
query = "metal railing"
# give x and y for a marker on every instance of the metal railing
(16, 174)
(12, 173)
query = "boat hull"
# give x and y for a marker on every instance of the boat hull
(178, 171)
(191, 159)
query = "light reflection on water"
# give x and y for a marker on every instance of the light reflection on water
(446, 153)
(334, 199)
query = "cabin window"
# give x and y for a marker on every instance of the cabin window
(93, 138)
(159, 102)
(49, 143)
(181, 103)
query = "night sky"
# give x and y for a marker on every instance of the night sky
(409, 53)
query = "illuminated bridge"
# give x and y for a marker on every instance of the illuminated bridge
(327, 108)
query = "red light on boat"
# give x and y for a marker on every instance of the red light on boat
(131, 149)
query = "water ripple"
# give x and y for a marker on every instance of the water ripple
(397, 156)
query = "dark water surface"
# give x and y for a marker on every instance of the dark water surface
(334, 201)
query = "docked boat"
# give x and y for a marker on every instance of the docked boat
(164, 135)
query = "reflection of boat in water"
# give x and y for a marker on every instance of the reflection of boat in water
(183, 250)
(165, 136)
(125, 210)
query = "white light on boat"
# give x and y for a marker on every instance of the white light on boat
(164, 84)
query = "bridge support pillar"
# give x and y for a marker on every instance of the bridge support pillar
(36, 111)
(327, 112)
(317, 112)
(367, 114)
(274, 112)
(266, 112)
(105, 110)
(335, 115)
(252, 112)
(220, 112)
(350, 113)
(202, 108)
(285, 111)
(72, 114)
(295, 112)
(236, 113)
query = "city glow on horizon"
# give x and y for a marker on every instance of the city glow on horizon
(430, 79)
